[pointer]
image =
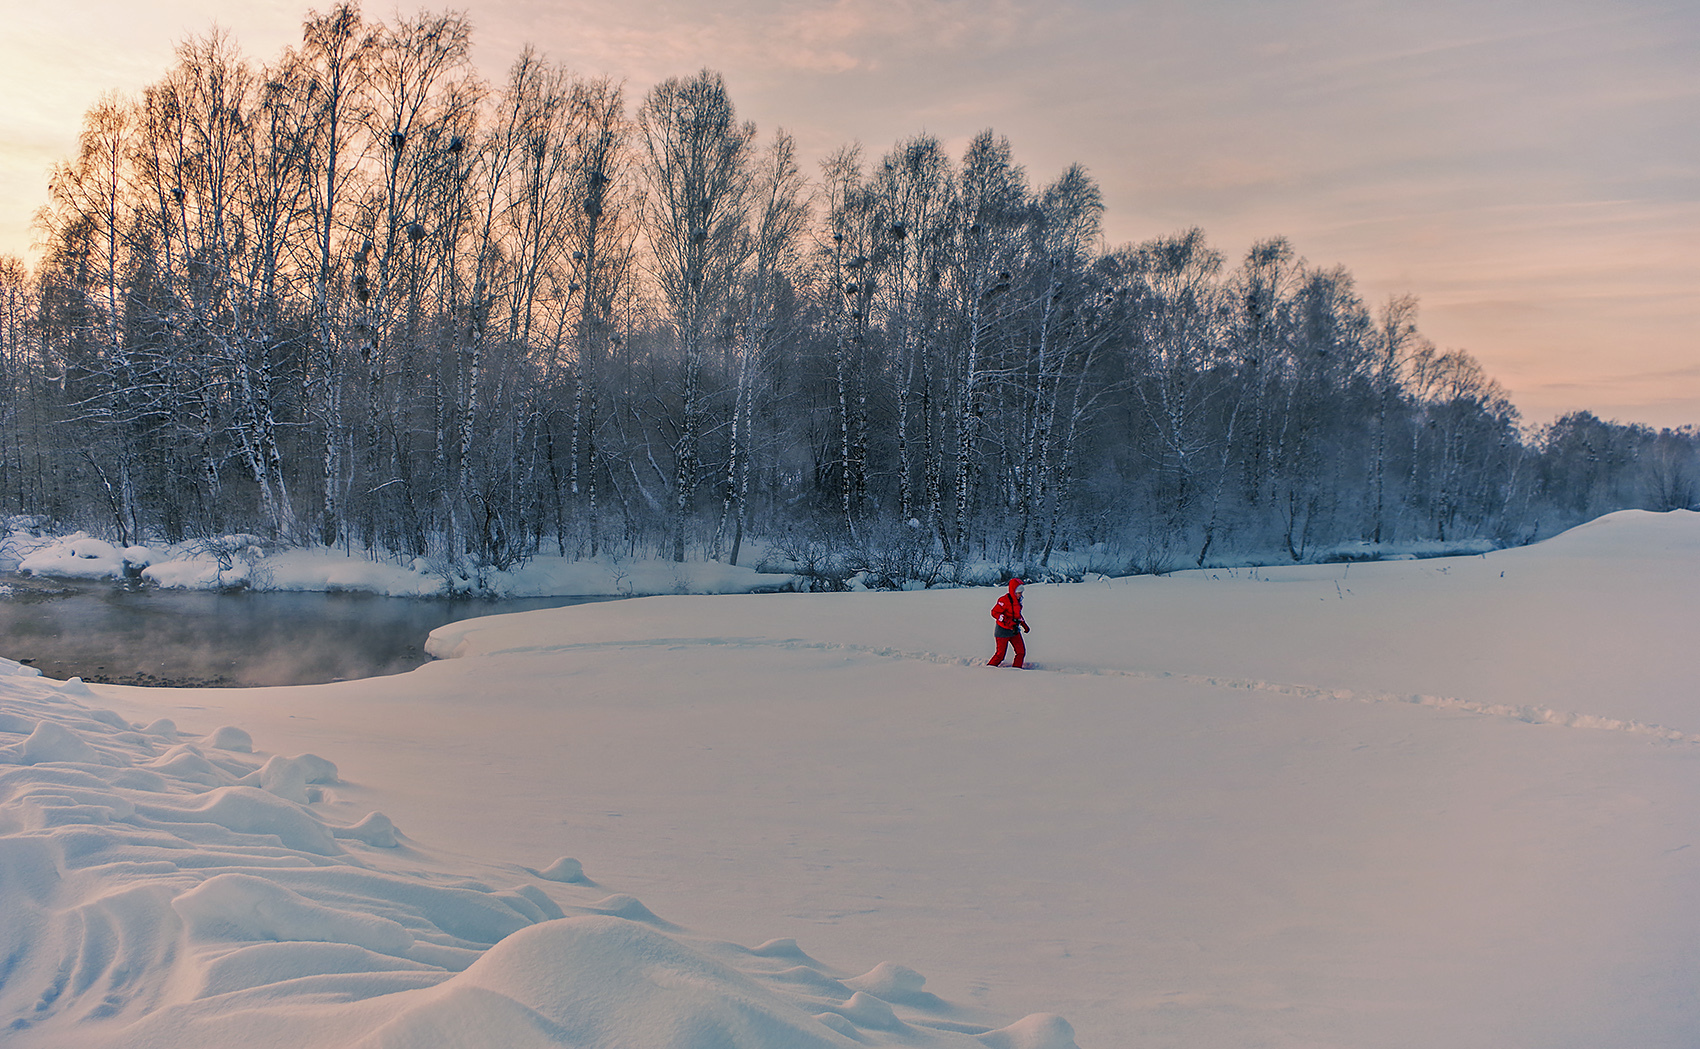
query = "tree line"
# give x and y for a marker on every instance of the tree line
(360, 297)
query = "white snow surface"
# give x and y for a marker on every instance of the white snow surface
(243, 561)
(1450, 802)
(80, 556)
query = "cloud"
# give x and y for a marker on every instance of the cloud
(872, 28)
(650, 39)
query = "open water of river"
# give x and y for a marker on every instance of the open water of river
(143, 636)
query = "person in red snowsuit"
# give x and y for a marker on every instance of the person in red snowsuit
(1007, 614)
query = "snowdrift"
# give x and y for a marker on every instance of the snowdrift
(1642, 534)
(80, 556)
(163, 890)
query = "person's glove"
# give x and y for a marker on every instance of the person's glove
(1025, 628)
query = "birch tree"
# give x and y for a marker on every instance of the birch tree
(843, 259)
(910, 246)
(992, 212)
(601, 249)
(90, 222)
(695, 165)
(335, 56)
(1067, 331)
(1395, 345)
(779, 213)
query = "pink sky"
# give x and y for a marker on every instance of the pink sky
(1531, 172)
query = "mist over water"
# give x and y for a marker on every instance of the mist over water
(143, 636)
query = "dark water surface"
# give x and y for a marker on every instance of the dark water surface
(142, 636)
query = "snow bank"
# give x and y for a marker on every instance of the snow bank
(160, 893)
(558, 577)
(243, 561)
(541, 577)
(1641, 534)
(81, 556)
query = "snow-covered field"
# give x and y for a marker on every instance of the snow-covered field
(1404, 804)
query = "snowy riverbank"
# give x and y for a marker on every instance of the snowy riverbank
(1442, 802)
(239, 561)
(247, 562)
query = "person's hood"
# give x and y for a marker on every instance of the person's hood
(1013, 583)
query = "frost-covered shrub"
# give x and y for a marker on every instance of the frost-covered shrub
(1154, 551)
(897, 558)
(462, 573)
(26, 524)
(822, 563)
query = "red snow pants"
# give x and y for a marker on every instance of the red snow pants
(1005, 642)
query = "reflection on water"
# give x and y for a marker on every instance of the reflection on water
(142, 636)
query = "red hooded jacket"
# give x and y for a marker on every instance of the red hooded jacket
(1007, 612)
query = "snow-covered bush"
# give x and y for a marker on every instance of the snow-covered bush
(225, 562)
(23, 537)
(26, 524)
(821, 562)
(79, 556)
(1155, 551)
(905, 557)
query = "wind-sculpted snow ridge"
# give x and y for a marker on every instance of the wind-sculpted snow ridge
(162, 889)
